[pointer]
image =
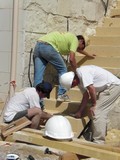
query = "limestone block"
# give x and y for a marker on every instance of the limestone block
(77, 26)
(36, 21)
(91, 10)
(47, 5)
(56, 23)
(73, 8)
(30, 40)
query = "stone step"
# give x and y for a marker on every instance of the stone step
(77, 124)
(103, 50)
(74, 93)
(111, 22)
(118, 4)
(107, 31)
(61, 107)
(106, 40)
(105, 62)
(115, 12)
(115, 71)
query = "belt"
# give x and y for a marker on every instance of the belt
(43, 42)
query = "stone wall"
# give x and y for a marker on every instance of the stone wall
(77, 16)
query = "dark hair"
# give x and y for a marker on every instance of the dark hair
(44, 87)
(80, 37)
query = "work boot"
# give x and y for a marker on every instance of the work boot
(63, 98)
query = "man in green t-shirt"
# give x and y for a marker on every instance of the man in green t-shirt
(50, 49)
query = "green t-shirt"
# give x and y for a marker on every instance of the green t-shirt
(62, 42)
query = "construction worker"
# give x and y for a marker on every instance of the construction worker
(101, 87)
(27, 103)
(50, 49)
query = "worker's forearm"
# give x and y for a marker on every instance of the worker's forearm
(84, 101)
(92, 93)
(73, 61)
(73, 65)
(84, 52)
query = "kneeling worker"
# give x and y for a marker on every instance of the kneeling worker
(27, 103)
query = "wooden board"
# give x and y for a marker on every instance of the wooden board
(15, 126)
(69, 146)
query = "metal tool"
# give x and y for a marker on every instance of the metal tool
(47, 151)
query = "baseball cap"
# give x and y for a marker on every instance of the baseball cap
(44, 87)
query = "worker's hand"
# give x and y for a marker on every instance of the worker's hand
(76, 115)
(92, 56)
(92, 111)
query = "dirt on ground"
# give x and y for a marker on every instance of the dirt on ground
(24, 151)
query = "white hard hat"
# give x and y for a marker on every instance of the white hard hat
(86, 39)
(66, 79)
(58, 127)
(12, 157)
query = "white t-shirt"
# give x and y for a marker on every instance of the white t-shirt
(97, 76)
(28, 98)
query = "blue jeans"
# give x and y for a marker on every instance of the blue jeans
(44, 53)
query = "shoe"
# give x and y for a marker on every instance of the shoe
(63, 98)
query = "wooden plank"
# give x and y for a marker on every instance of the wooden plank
(105, 146)
(68, 146)
(79, 141)
(15, 126)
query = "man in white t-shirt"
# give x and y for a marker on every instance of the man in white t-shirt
(99, 86)
(27, 103)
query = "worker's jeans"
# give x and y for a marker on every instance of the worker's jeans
(104, 105)
(44, 53)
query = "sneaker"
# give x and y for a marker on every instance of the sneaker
(63, 97)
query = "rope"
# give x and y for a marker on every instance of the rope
(13, 84)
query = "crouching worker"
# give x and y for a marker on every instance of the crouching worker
(102, 88)
(27, 103)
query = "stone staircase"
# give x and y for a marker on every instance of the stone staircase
(106, 45)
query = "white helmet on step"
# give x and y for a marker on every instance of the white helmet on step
(58, 127)
(66, 79)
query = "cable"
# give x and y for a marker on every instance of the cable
(29, 67)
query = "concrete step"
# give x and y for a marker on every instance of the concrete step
(77, 124)
(111, 22)
(115, 12)
(105, 62)
(115, 71)
(108, 31)
(106, 40)
(118, 4)
(74, 93)
(103, 50)
(61, 107)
